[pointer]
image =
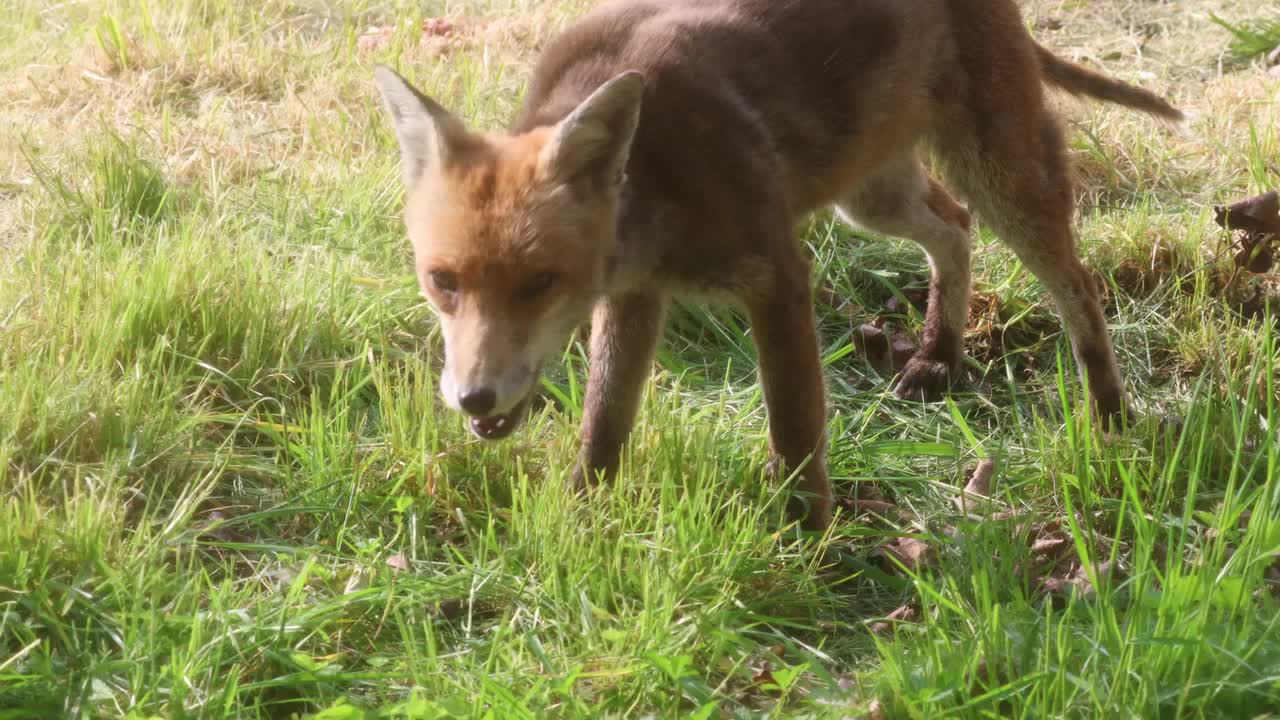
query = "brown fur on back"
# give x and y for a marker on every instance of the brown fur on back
(782, 104)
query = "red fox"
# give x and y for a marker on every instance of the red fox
(670, 148)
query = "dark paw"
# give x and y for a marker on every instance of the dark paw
(1114, 414)
(586, 477)
(924, 379)
(811, 502)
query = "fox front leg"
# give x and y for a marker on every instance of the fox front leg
(624, 335)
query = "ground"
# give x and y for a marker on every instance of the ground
(228, 488)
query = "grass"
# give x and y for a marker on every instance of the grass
(1252, 38)
(227, 488)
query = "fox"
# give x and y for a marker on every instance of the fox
(668, 148)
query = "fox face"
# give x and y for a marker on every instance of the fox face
(512, 237)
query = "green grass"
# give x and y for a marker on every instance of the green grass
(227, 488)
(1252, 38)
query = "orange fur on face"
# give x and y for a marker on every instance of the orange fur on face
(494, 220)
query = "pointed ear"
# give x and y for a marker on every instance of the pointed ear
(595, 139)
(428, 133)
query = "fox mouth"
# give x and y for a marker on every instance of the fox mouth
(500, 427)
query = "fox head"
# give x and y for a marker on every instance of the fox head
(512, 236)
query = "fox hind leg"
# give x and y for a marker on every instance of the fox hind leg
(902, 200)
(1017, 180)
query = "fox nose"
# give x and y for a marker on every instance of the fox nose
(478, 401)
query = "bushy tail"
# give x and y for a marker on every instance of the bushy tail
(1080, 81)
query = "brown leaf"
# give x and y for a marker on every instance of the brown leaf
(904, 614)
(375, 38)
(1081, 579)
(1055, 585)
(979, 485)
(1078, 581)
(874, 346)
(763, 677)
(877, 507)
(868, 491)
(827, 295)
(875, 711)
(904, 348)
(1047, 545)
(437, 27)
(980, 479)
(356, 581)
(913, 554)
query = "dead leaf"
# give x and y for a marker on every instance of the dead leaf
(437, 27)
(913, 298)
(980, 479)
(1256, 220)
(904, 348)
(438, 35)
(979, 485)
(876, 507)
(827, 295)
(356, 581)
(433, 31)
(1103, 572)
(1077, 582)
(874, 346)
(875, 711)
(904, 614)
(1047, 545)
(763, 676)
(375, 38)
(913, 554)
(398, 563)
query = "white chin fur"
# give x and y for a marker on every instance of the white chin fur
(448, 390)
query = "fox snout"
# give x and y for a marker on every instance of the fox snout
(480, 392)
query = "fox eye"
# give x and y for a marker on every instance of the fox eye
(445, 282)
(540, 283)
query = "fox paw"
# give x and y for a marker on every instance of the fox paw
(586, 477)
(924, 379)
